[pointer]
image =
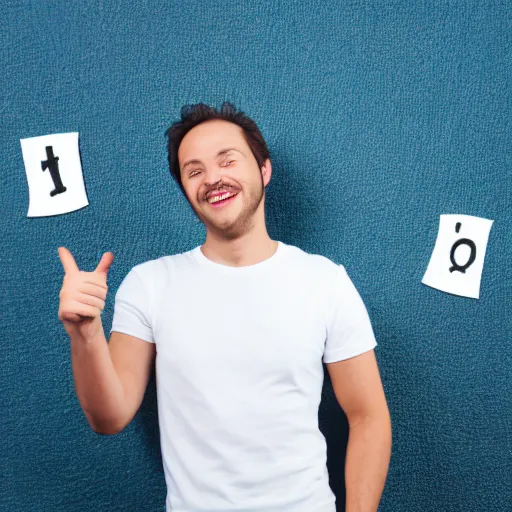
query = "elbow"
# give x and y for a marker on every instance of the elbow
(381, 418)
(106, 429)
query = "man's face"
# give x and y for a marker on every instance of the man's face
(204, 170)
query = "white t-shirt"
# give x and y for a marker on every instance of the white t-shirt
(239, 373)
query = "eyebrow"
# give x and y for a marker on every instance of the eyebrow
(221, 152)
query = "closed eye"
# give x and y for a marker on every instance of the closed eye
(193, 173)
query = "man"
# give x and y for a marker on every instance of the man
(239, 328)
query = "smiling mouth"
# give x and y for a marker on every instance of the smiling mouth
(221, 202)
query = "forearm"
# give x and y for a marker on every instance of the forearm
(367, 464)
(97, 384)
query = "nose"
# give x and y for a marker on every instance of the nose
(213, 175)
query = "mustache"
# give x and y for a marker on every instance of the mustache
(227, 188)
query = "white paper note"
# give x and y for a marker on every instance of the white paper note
(458, 257)
(54, 174)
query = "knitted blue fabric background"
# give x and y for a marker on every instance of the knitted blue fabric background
(380, 117)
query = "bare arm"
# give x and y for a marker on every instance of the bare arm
(110, 379)
(358, 389)
(367, 464)
(98, 387)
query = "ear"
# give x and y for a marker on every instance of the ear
(266, 171)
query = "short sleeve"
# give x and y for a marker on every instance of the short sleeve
(349, 330)
(131, 308)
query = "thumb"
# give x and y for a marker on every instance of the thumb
(105, 263)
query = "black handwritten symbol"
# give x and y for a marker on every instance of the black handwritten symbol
(472, 256)
(52, 164)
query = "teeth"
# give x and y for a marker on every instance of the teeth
(220, 198)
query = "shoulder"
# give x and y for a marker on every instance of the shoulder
(317, 265)
(158, 270)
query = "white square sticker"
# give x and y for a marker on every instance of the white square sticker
(54, 174)
(458, 257)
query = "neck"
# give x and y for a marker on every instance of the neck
(248, 249)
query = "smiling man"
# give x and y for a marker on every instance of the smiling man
(222, 181)
(239, 327)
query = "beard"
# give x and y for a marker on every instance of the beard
(235, 226)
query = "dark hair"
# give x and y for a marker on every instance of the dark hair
(192, 115)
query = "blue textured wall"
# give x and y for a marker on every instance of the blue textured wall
(387, 113)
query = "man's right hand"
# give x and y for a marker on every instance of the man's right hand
(83, 295)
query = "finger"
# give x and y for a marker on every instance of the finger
(84, 310)
(97, 279)
(72, 317)
(67, 260)
(105, 262)
(91, 300)
(96, 290)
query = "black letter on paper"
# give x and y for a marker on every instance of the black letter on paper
(52, 164)
(472, 256)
